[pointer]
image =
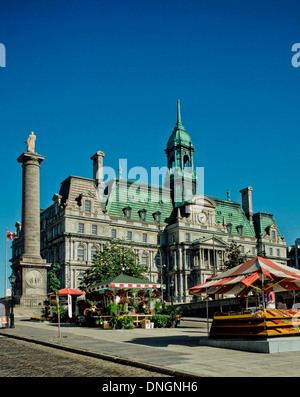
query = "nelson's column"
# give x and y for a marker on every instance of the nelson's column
(30, 268)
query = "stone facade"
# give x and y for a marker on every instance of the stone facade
(182, 237)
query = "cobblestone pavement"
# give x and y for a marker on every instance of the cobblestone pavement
(173, 351)
(24, 359)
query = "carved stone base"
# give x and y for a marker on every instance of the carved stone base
(31, 284)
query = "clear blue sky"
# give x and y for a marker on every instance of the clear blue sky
(105, 75)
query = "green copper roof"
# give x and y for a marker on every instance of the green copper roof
(139, 197)
(263, 221)
(234, 215)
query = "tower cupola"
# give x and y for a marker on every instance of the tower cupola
(180, 152)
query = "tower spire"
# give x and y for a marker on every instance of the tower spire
(178, 112)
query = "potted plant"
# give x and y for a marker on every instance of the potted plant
(113, 321)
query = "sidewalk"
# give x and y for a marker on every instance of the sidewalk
(172, 351)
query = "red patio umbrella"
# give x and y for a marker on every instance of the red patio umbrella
(68, 291)
(255, 273)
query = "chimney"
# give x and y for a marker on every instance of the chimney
(98, 168)
(247, 202)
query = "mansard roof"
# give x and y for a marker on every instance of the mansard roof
(232, 213)
(262, 223)
(122, 193)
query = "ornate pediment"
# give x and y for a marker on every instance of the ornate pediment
(201, 210)
(212, 241)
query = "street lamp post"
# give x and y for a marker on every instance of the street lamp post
(161, 282)
(12, 280)
(172, 290)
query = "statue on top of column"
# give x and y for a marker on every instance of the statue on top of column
(31, 143)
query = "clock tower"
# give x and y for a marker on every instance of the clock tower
(181, 175)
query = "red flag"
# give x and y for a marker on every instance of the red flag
(10, 236)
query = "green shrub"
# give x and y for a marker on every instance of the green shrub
(160, 320)
(125, 322)
(113, 321)
(158, 307)
(112, 309)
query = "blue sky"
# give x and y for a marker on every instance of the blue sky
(105, 75)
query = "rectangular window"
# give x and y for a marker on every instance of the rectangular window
(253, 250)
(80, 252)
(80, 227)
(129, 236)
(173, 238)
(187, 237)
(87, 205)
(113, 233)
(273, 235)
(94, 229)
(242, 249)
(271, 251)
(144, 237)
(278, 252)
(188, 261)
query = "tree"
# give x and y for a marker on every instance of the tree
(54, 285)
(235, 256)
(116, 257)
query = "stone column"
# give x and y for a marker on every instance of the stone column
(30, 268)
(31, 204)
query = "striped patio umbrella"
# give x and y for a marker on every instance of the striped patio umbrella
(255, 273)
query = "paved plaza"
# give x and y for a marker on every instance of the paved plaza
(171, 351)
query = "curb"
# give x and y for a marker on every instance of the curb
(108, 357)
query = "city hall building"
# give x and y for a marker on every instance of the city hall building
(180, 236)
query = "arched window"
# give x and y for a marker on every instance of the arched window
(186, 163)
(80, 252)
(172, 164)
(93, 252)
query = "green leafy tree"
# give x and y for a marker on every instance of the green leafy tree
(235, 256)
(54, 284)
(116, 257)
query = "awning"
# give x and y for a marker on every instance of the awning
(240, 279)
(124, 281)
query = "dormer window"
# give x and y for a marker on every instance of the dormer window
(142, 214)
(127, 212)
(157, 216)
(240, 230)
(229, 228)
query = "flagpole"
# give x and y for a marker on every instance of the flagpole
(5, 263)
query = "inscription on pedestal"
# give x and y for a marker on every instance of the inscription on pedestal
(34, 279)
